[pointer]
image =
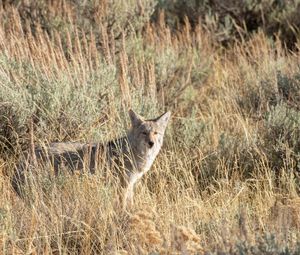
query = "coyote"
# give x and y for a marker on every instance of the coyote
(129, 157)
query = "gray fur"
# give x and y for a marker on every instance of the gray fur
(130, 156)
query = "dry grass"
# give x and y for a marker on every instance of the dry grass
(227, 177)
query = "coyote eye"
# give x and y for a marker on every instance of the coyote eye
(144, 133)
(155, 133)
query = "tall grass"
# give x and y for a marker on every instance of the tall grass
(226, 180)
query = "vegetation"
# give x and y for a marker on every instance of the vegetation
(227, 180)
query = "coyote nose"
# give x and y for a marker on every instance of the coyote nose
(151, 144)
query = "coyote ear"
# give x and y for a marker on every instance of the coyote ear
(136, 119)
(163, 119)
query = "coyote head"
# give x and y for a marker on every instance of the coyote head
(146, 136)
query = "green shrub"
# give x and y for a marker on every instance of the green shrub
(282, 138)
(115, 17)
(235, 19)
(59, 105)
